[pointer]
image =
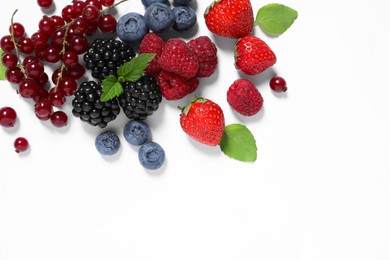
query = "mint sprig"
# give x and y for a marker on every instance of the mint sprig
(275, 19)
(239, 143)
(130, 71)
(2, 67)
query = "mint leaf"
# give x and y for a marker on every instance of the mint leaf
(275, 19)
(111, 88)
(134, 69)
(2, 67)
(238, 143)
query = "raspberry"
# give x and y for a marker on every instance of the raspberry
(104, 56)
(206, 51)
(141, 98)
(88, 107)
(175, 87)
(152, 43)
(178, 58)
(244, 97)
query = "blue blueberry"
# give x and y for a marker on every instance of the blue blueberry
(107, 143)
(131, 27)
(151, 155)
(181, 2)
(159, 17)
(136, 132)
(185, 18)
(146, 3)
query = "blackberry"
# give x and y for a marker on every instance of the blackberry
(140, 98)
(88, 107)
(104, 56)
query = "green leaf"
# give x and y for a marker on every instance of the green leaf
(238, 143)
(275, 19)
(2, 67)
(111, 88)
(134, 69)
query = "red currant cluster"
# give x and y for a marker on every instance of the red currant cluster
(59, 40)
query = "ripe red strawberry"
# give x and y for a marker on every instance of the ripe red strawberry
(152, 43)
(175, 87)
(178, 58)
(203, 120)
(206, 51)
(244, 97)
(253, 56)
(230, 18)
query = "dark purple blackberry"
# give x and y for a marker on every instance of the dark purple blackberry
(88, 107)
(140, 98)
(104, 56)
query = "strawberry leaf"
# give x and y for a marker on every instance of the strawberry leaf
(238, 143)
(2, 67)
(134, 69)
(275, 19)
(111, 88)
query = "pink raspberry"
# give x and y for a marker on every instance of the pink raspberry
(178, 58)
(244, 97)
(175, 87)
(206, 51)
(152, 43)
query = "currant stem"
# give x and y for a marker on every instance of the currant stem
(16, 46)
(114, 5)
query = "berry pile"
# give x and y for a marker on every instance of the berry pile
(178, 64)
(59, 40)
(159, 17)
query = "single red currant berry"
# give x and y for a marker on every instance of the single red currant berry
(9, 60)
(68, 86)
(21, 144)
(56, 97)
(43, 80)
(47, 25)
(78, 7)
(59, 119)
(95, 3)
(90, 13)
(14, 75)
(67, 13)
(107, 23)
(43, 109)
(28, 88)
(79, 26)
(53, 54)
(107, 2)
(70, 58)
(92, 28)
(58, 20)
(79, 44)
(18, 30)
(6, 43)
(26, 45)
(39, 39)
(278, 84)
(45, 4)
(75, 72)
(7, 117)
(42, 94)
(35, 69)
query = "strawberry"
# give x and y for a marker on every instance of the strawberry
(253, 56)
(230, 18)
(203, 120)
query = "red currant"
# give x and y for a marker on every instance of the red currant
(26, 45)
(29, 59)
(35, 69)
(68, 86)
(107, 23)
(95, 3)
(39, 39)
(53, 54)
(42, 94)
(59, 119)
(70, 58)
(28, 88)
(79, 44)
(76, 71)
(92, 28)
(90, 13)
(278, 84)
(47, 25)
(79, 26)
(18, 30)
(21, 144)
(6, 43)
(56, 97)
(14, 75)
(107, 2)
(67, 13)
(78, 7)
(43, 109)
(7, 117)
(58, 21)
(9, 60)
(45, 4)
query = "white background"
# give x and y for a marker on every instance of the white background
(320, 188)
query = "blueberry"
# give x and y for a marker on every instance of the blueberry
(159, 17)
(131, 27)
(181, 2)
(107, 143)
(136, 132)
(146, 3)
(151, 155)
(185, 18)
